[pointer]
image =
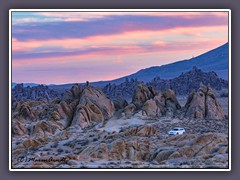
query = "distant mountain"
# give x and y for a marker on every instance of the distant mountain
(215, 60)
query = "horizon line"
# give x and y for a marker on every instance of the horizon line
(122, 76)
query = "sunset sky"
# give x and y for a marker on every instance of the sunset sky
(68, 47)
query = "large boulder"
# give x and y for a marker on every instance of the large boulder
(141, 94)
(151, 103)
(93, 106)
(30, 110)
(213, 108)
(64, 112)
(203, 104)
(44, 128)
(150, 108)
(204, 144)
(73, 94)
(155, 106)
(146, 130)
(120, 150)
(171, 102)
(65, 109)
(128, 111)
(170, 98)
(18, 128)
(25, 111)
(120, 103)
(134, 149)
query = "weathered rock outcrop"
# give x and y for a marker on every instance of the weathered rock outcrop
(134, 146)
(93, 106)
(171, 102)
(128, 111)
(25, 111)
(150, 108)
(18, 128)
(152, 103)
(64, 110)
(123, 90)
(30, 110)
(143, 131)
(73, 94)
(130, 146)
(147, 130)
(121, 150)
(40, 92)
(189, 81)
(56, 128)
(44, 128)
(194, 147)
(141, 94)
(63, 113)
(78, 106)
(203, 104)
(120, 103)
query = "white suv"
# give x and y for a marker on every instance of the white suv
(175, 131)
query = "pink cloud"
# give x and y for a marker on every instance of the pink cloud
(106, 57)
(85, 16)
(189, 47)
(123, 39)
(117, 50)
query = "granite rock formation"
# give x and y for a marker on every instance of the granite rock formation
(18, 128)
(123, 90)
(152, 103)
(93, 106)
(83, 126)
(40, 92)
(203, 104)
(186, 82)
(120, 103)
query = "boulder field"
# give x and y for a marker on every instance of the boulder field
(72, 126)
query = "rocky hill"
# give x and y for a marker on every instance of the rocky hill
(39, 92)
(215, 60)
(181, 85)
(189, 81)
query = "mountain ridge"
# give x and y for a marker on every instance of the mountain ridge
(207, 62)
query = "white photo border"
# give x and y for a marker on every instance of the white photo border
(118, 10)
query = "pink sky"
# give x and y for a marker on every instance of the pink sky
(67, 47)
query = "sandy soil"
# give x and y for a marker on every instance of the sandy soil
(115, 124)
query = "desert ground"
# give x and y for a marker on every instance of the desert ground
(128, 139)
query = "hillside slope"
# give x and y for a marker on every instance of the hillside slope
(215, 60)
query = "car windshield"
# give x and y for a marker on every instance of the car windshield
(175, 129)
